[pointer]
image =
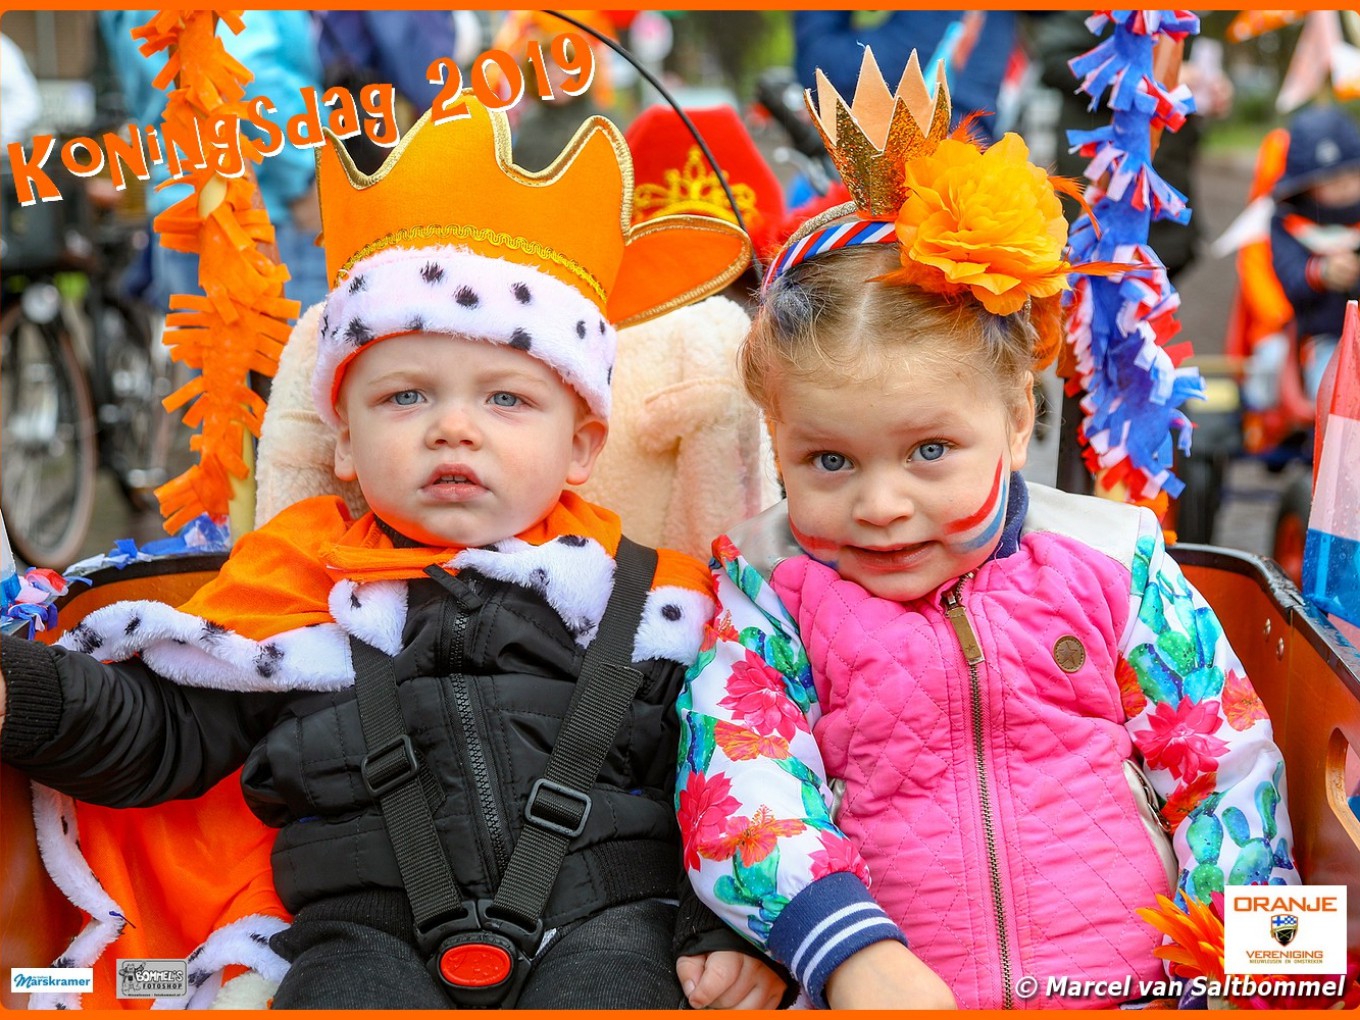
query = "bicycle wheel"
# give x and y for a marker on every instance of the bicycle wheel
(138, 437)
(49, 463)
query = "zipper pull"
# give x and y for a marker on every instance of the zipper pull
(963, 626)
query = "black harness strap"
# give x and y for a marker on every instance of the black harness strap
(388, 773)
(559, 802)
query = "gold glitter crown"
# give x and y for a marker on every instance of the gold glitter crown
(871, 139)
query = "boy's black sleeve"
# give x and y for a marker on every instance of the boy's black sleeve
(117, 734)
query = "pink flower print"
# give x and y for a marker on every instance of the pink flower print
(755, 695)
(1241, 704)
(752, 838)
(1180, 738)
(837, 854)
(706, 804)
(725, 550)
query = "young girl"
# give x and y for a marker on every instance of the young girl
(919, 713)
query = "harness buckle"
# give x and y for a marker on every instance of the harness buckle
(481, 960)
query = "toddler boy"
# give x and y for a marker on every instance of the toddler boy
(462, 821)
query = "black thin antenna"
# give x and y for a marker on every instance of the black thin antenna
(698, 138)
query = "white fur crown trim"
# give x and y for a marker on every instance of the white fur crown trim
(453, 291)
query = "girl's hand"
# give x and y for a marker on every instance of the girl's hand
(729, 980)
(887, 975)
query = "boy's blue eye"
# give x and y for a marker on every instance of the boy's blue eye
(504, 399)
(832, 461)
(931, 451)
(406, 398)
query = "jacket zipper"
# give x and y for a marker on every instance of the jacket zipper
(477, 762)
(957, 613)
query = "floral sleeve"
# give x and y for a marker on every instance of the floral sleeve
(752, 793)
(1203, 733)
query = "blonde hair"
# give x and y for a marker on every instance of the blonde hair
(827, 315)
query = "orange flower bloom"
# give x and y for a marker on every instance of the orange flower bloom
(988, 222)
(1195, 948)
(1187, 797)
(1241, 704)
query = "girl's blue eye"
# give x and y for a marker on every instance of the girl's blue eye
(504, 399)
(406, 398)
(832, 461)
(931, 451)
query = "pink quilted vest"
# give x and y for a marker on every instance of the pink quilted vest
(993, 812)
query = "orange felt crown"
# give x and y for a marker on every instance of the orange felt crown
(454, 183)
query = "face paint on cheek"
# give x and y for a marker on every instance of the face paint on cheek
(982, 526)
(819, 549)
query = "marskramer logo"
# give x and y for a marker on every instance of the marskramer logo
(1281, 929)
(152, 979)
(51, 979)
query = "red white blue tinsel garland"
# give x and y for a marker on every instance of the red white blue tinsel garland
(1119, 326)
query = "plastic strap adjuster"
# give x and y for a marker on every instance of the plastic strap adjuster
(390, 766)
(561, 817)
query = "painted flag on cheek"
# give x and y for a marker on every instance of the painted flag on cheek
(1331, 561)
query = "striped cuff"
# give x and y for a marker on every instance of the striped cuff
(823, 926)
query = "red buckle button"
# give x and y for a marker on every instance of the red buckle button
(475, 965)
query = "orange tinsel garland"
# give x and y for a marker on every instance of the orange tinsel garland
(240, 323)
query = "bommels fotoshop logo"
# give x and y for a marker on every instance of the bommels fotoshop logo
(1282, 929)
(152, 979)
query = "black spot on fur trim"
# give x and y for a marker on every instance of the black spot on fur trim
(62, 961)
(602, 327)
(522, 294)
(520, 340)
(212, 631)
(672, 612)
(194, 955)
(609, 376)
(575, 541)
(256, 936)
(354, 602)
(267, 662)
(132, 625)
(65, 830)
(358, 333)
(467, 297)
(539, 578)
(581, 329)
(197, 977)
(358, 283)
(325, 326)
(86, 639)
(432, 272)
(416, 324)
